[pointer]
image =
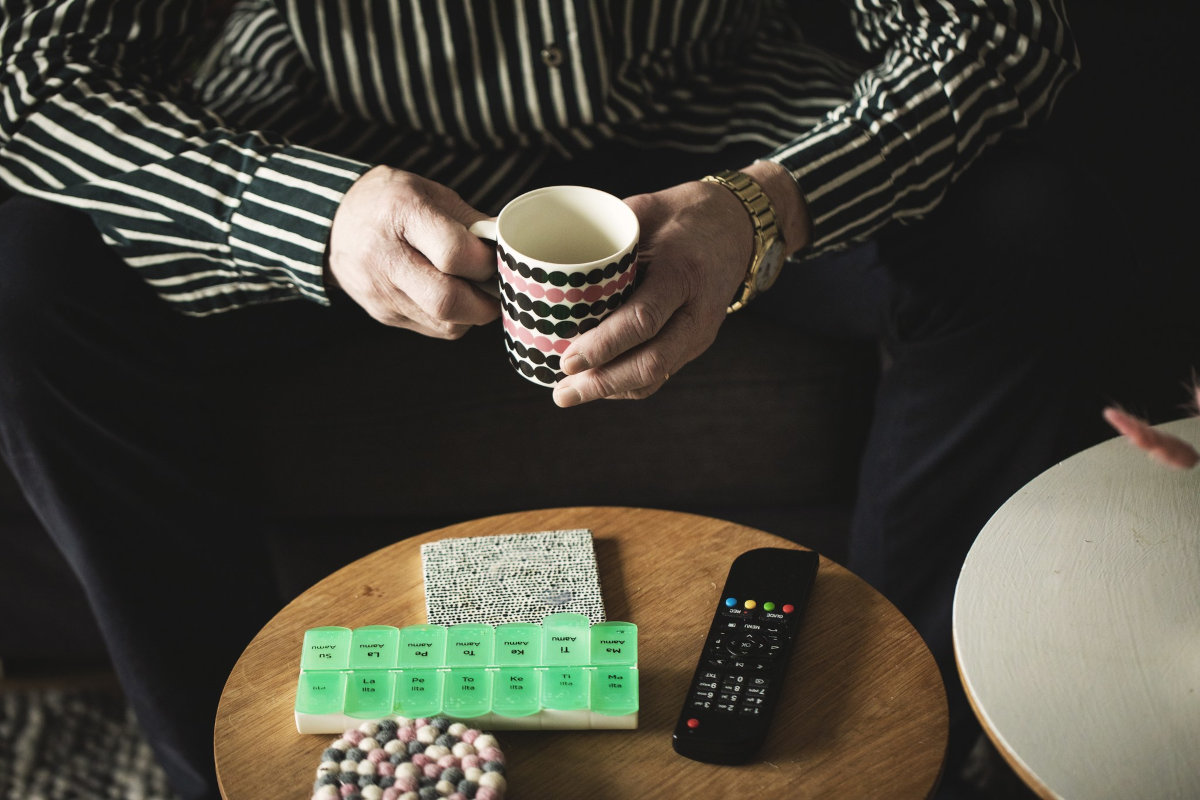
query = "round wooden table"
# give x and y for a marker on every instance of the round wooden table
(1077, 626)
(863, 713)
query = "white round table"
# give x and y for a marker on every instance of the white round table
(1077, 626)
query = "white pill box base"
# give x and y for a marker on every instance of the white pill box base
(547, 720)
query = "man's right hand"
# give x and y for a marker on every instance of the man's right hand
(399, 246)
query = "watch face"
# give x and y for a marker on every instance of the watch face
(769, 267)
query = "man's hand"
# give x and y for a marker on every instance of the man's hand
(399, 246)
(695, 246)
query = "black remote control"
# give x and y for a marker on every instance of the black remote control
(742, 666)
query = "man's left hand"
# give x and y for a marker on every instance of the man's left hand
(696, 241)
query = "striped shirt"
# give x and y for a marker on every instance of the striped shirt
(211, 151)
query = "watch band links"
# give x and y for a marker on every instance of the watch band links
(762, 216)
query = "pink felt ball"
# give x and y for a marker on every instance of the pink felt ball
(487, 793)
(448, 760)
(391, 793)
(354, 736)
(433, 769)
(420, 760)
(386, 769)
(470, 735)
(471, 760)
(377, 755)
(406, 734)
(405, 783)
(491, 754)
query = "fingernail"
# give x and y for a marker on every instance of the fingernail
(566, 396)
(576, 362)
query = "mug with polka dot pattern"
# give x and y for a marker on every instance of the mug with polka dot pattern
(567, 258)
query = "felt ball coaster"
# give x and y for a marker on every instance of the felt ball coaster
(411, 759)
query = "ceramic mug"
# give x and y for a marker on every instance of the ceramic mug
(567, 258)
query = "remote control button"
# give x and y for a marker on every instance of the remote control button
(730, 601)
(693, 723)
(788, 608)
(768, 606)
(751, 604)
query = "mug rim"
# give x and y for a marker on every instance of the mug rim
(619, 206)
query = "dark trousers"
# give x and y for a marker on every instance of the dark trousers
(117, 419)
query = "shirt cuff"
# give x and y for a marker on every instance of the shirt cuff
(846, 183)
(279, 233)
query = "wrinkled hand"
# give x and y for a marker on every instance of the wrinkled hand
(695, 243)
(399, 247)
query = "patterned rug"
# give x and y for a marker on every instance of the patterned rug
(74, 744)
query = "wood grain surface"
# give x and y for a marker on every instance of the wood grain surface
(863, 712)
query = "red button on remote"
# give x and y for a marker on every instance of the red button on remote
(693, 723)
(788, 608)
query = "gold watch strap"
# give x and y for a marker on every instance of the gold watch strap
(762, 216)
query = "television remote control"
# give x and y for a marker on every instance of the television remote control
(740, 675)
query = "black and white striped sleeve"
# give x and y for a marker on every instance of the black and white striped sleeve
(954, 77)
(212, 218)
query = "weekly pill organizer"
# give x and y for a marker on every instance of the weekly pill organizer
(564, 673)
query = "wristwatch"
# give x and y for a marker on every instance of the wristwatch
(769, 252)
